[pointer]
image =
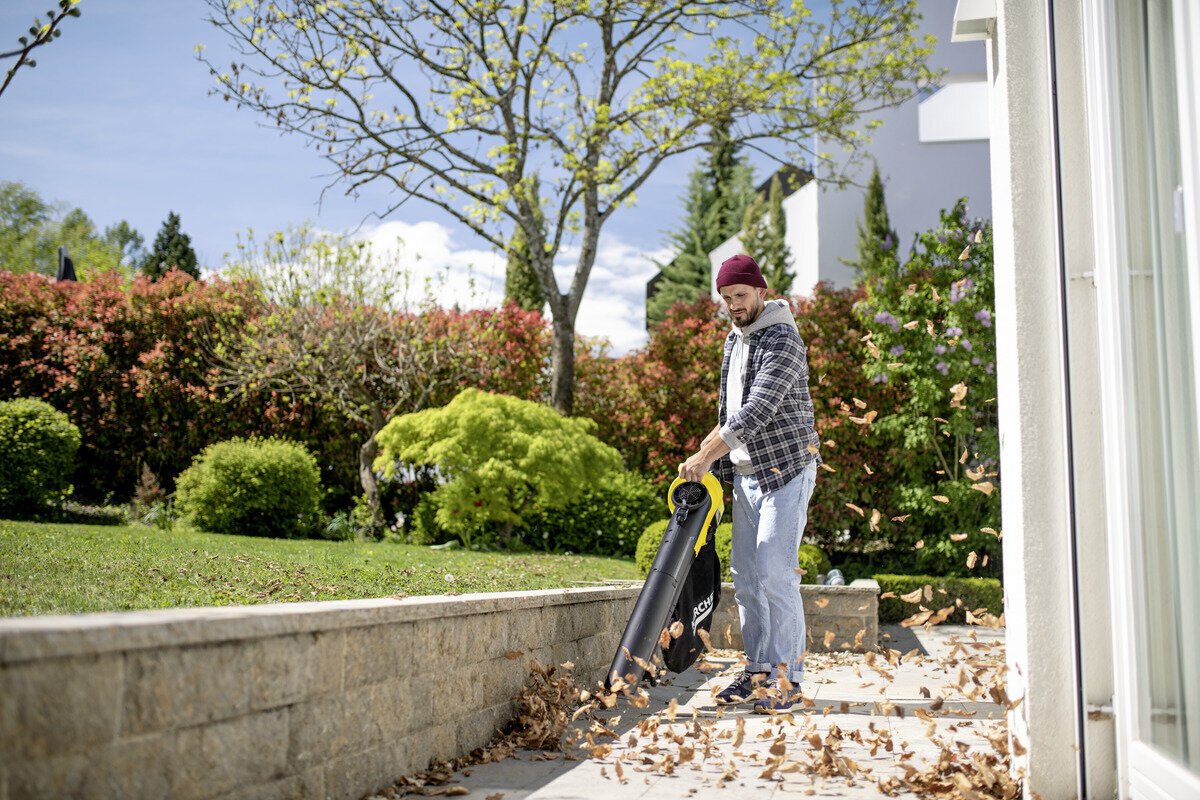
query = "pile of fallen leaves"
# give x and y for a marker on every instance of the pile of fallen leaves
(973, 760)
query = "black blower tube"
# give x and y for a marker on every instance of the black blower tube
(694, 504)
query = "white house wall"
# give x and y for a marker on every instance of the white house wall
(800, 210)
(919, 178)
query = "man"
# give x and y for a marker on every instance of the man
(766, 446)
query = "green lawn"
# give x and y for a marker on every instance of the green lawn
(51, 568)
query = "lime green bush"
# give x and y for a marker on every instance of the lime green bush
(812, 559)
(975, 593)
(502, 457)
(253, 487)
(37, 456)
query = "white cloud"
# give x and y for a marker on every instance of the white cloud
(614, 303)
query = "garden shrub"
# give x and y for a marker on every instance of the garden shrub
(810, 557)
(975, 593)
(253, 487)
(37, 456)
(605, 520)
(500, 457)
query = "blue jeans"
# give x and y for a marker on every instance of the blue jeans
(766, 536)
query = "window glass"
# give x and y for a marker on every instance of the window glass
(1165, 477)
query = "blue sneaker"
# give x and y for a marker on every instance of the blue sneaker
(776, 700)
(741, 689)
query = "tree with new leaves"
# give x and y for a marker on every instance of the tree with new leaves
(32, 230)
(336, 326)
(764, 230)
(461, 103)
(40, 33)
(878, 246)
(717, 194)
(172, 249)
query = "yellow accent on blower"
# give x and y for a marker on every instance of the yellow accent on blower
(715, 509)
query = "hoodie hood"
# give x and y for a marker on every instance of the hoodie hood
(775, 312)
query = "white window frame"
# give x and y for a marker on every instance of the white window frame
(1143, 771)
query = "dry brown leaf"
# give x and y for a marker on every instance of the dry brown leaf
(966, 252)
(876, 516)
(971, 558)
(856, 509)
(941, 498)
(958, 392)
(829, 637)
(901, 518)
(985, 487)
(513, 655)
(822, 602)
(858, 402)
(920, 543)
(957, 537)
(913, 596)
(910, 325)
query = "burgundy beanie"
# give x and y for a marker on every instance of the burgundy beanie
(740, 269)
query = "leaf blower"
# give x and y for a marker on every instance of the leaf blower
(682, 589)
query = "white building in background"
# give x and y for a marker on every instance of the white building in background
(931, 150)
(1095, 156)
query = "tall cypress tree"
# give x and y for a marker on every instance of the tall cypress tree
(877, 242)
(172, 248)
(764, 230)
(521, 284)
(717, 195)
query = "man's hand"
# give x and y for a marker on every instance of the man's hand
(694, 468)
(711, 449)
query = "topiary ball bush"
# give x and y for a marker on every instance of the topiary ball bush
(653, 535)
(37, 456)
(253, 487)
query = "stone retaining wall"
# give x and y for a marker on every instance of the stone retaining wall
(837, 617)
(306, 700)
(298, 700)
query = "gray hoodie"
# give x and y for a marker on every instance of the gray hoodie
(775, 312)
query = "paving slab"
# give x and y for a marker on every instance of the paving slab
(877, 713)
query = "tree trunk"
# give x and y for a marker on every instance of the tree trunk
(366, 471)
(562, 359)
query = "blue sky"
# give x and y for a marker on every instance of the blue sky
(117, 120)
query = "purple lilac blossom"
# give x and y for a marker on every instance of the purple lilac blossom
(943, 368)
(954, 331)
(989, 369)
(966, 345)
(897, 350)
(880, 379)
(976, 361)
(940, 349)
(884, 318)
(984, 316)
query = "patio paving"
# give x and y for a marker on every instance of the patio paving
(887, 718)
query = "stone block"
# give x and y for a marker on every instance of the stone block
(223, 756)
(378, 653)
(441, 643)
(58, 705)
(355, 720)
(454, 693)
(308, 786)
(146, 767)
(354, 776)
(501, 679)
(480, 727)
(181, 687)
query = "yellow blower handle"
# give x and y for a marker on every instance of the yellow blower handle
(715, 509)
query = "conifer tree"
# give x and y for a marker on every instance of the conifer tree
(877, 241)
(521, 283)
(172, 248)
(764, 230)
(717, 195)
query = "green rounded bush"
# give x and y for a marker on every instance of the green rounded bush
(606, 520)
(648, 545)
(37, 456)
(253, 487)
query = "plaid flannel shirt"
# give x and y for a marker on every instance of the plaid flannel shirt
(776, 420)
